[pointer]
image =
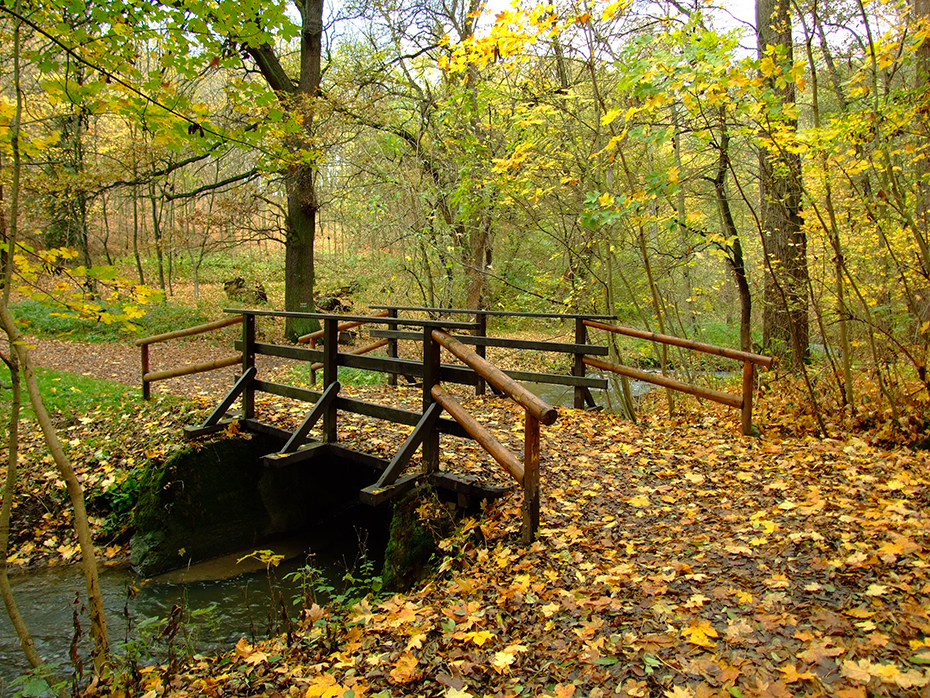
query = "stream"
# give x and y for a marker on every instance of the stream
(224, 600)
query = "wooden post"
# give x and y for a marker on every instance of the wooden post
(392, 348)
(431, 358)
(481, 331)
(530, 479)
(248, 361)
(330, 374)
(578, 366)
(146, 388)
(749, 379)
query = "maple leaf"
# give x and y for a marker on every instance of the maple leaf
(792, 675)
(699, 633)
(405, 668)
(503, 659)
(679, 692)
(324, 686)
(639, 501)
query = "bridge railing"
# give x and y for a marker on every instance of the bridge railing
(149, 377)
(536, 412)
(742, 402)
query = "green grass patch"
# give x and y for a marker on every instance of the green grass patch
(42, 320)
(70, 396)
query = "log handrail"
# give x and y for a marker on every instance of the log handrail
(533, 404)
(149, 377)
(750, 361)
(189, 331)
(478, 433)
(195, 368)
(737, 354)
(658, 379)
(309, 338)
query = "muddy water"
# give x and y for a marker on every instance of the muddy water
(223, 599)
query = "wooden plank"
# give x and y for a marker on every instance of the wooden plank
(578, 364)
(290, 391)
(397, 415)
(402, 458)
(449, 373)
(373, 495)
(146, 388)
(260, 427)
(749, 379)
(686, 343)
(467, 484)
(306, 452)
(355, 352)
(230, 398)
(505, 342)
(479, 433)
(192, 369)
(544, 412)
(313, 416)
(189, 331)
(366, 459)
(410, 322)
(497, 313)
(558, 379)
(285, 352)
(666, 382)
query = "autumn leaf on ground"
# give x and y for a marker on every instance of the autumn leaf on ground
(791, 674)
(699, 633)
(405, 669)
(324, 686)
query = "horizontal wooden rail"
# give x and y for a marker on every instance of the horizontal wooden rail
(506, 343)
(479, 433)
(666, 382)
(757, 359)
(493, 313)
(352, 318)
(342, 326)
(535, 405)
(195, 368)
(189, 331)
(358, 351)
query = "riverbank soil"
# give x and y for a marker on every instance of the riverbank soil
(675, 558)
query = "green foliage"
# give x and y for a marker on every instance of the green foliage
(70, 396)
(44, 320)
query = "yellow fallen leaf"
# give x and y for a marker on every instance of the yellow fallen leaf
(639, 501)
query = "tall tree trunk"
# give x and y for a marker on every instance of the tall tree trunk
(301, 183)
(785, 325)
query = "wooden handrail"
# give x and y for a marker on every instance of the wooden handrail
(478, 433)
(737, 354)
(535, 405)
(304, 339)
(189, 331)
(666, 382)
(195, 368)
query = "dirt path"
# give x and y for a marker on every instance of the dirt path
(121, 363)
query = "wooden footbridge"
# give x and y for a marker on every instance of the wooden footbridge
(435, 333)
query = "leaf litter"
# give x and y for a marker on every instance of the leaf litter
(675, 558)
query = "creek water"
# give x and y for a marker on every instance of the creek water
(222, 600)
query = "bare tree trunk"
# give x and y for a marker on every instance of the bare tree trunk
(98, 627)
(9, 491)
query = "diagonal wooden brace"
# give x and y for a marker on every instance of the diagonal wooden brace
(313, 416)
(230, 398)
(426, 424)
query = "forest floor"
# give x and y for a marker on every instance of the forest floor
(676, 558)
